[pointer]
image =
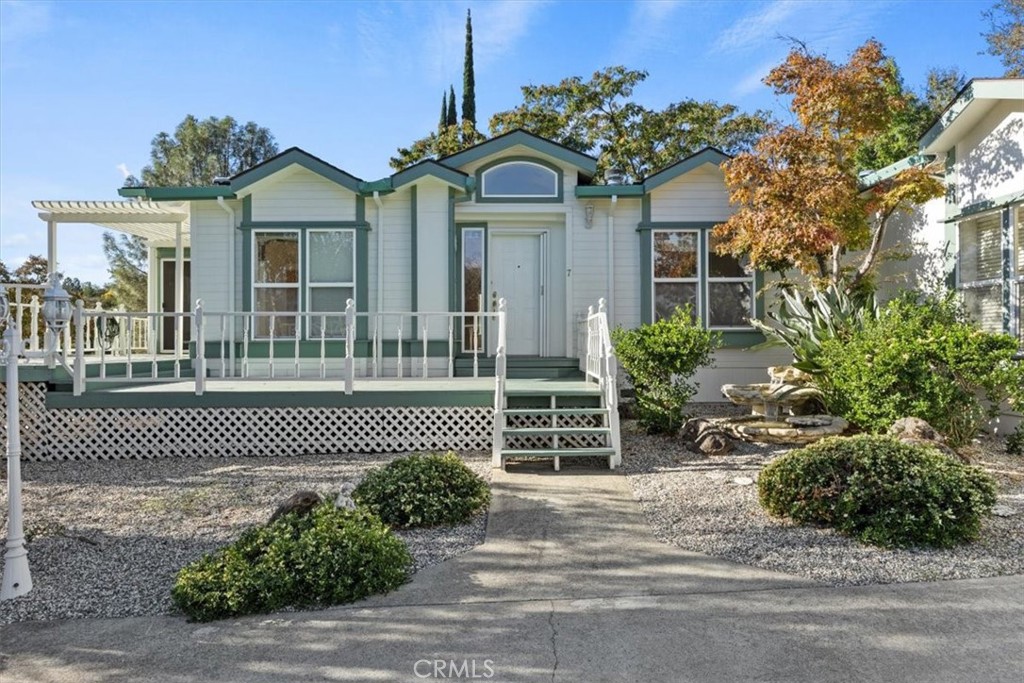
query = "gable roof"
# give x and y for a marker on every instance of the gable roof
(708, 155)
(969, 106)
(294, 155)
(429, 167)
(584, 162)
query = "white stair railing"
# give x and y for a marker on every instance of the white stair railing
(602, 366)
(499, 388)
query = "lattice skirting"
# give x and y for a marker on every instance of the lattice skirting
(114, 433)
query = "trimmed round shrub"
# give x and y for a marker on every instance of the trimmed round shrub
(330, 556)
(423, 490)
(879, 490)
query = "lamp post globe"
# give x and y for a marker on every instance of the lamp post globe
(56, 305)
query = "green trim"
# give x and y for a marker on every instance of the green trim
(987, 205)
(361, 210)
(478, 177)
(869, 180)
(521, 137)
(950, 181)
(247, 270)
(299, 225)
(587, 191)
(432, 169)
(247, 209)
(677, 225)
(976, 89)
(645, 210)
(646, 277)
(452, 295)
(456, 274)
(708, 155)
(362, 280)
(741, 339)
(414, 261)
(178, 193)
(1006, 238)
(287, 158)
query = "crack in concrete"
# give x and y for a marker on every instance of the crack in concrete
(554, 644)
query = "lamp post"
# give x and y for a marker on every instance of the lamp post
(17, 580)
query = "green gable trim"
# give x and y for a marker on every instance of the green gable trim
(247, 209)
(382, 186)
(171, 194)
(298, 225)
(414, 261)
(298, 157)
(585, 191)
(976, 89)
(558, 199)
(645, 210)
(432, 169)
(708, 155)
(646, 277)
(869, 180)
(538, 144)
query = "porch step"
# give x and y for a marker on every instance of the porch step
(521, 368)
(557, 452)
(556, 431)
(555, 411)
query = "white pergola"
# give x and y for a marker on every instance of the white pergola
(158, 222)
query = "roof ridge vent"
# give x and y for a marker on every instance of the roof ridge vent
(614, 176)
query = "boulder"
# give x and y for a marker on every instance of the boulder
(715, 443)
(344, 499)
(301, 503)
(705, 436)
(787, 374)
(914, 430)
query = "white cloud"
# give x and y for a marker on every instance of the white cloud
(650, 29)
(752, 81)
(123, 168)
(758, 27)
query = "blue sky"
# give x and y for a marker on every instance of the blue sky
(84, 86)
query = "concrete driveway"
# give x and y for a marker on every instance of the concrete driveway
(570, 586)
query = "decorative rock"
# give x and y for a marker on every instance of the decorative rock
(1004, 511)
(787, 374)
(715, 443)
(743, 481)
(767, 398)
(344, 499)
(785, 431)
(705, 437)
(301, 503)
(914, 428)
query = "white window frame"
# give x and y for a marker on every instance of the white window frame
(963, 285)
(696, 280)
(255, 285)
(310, 286)
(749, 279)
(488, 195)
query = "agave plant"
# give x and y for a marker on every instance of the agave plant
(803, 323)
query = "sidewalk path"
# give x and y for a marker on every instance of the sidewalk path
(570, 586)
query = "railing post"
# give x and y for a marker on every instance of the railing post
(497, 439)
(198, 324)
(78, 380)
(350, 341)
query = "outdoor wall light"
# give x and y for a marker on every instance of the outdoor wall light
(56, 305)
(588, 216)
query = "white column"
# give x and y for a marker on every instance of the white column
(179, 288)
(51, 246)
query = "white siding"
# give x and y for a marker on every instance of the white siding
(397, 251)
(432, 245)
(699, 195)
(988, 161)
(301, 195)
(211, 236)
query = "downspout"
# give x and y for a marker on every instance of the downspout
(231, 283)
(380, 250)
(611, 260)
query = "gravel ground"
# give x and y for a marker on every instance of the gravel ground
(106, 538)
(695, 502)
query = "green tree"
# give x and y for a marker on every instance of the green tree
(5, 273)
(200, 151)
(941, 87)
(443, 121)
(451, 118)
(468, 77)
(598, 116)
(127, 259)
(33, 271)
(1006, 35)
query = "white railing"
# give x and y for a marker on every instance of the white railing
(285, 345)
(601, 366)
(500, 373)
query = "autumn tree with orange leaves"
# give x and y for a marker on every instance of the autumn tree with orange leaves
(798, 192)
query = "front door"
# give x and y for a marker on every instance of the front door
(516, 273)
(167, 304)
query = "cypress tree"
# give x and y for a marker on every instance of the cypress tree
(453, 118)
(443, 121)
(468, 78)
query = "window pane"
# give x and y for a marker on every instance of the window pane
(331, 255)
(472, 285)
(729, 304)
(985, 307)
(328, 300)
(675, 254)
(277, 257)
(285, 299)
(670, 295)
(980, 249)
(723, 266)
(520, 179)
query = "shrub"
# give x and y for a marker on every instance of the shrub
(659, 360)
(423, 490)
(328, 557)
(880, 491)
(920, 359)
(1015, 441)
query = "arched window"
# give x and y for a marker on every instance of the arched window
(520, 180)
